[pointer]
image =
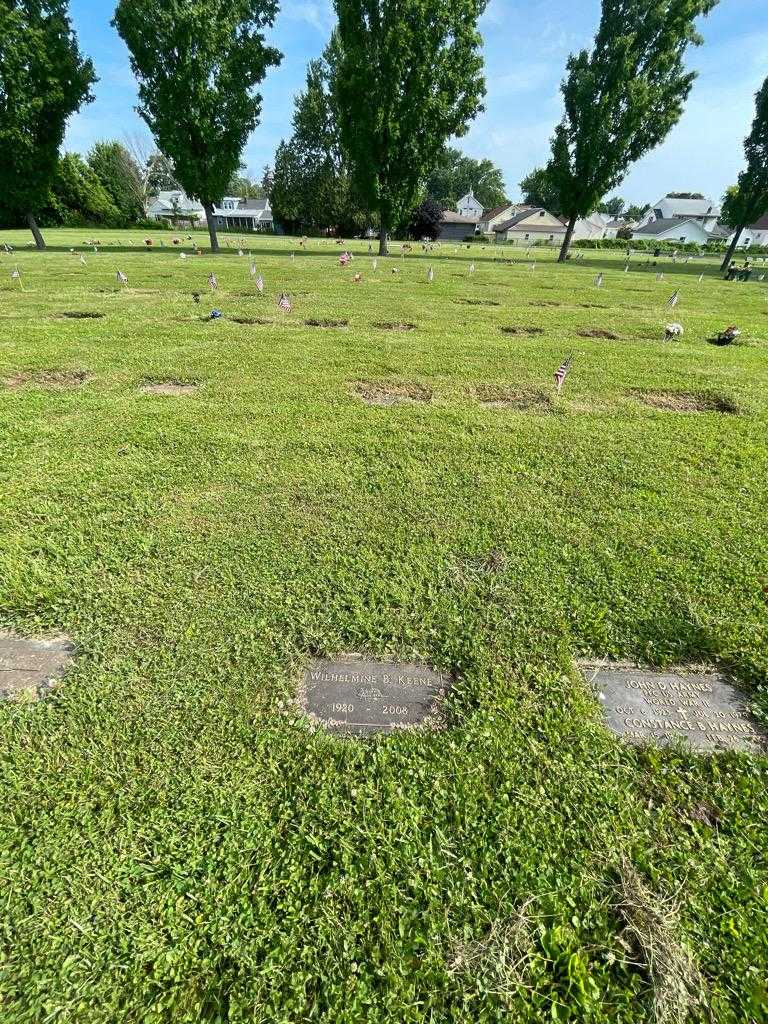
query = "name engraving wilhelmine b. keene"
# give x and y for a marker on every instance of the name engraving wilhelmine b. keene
(354, 696)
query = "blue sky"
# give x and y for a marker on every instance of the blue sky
(526, 45)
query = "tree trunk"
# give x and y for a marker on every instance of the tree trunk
(383, 248)
(732, 248)
(567, 240)
(39, 240)
(211, 220)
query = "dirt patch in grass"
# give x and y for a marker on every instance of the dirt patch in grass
(478, 302)
(392, 325)
(75, 315)
(500, 396)
(592, 305)
(545, 302)
(598, 332)
(390, 393)
(686, 401)
(327, 323)
(52, 379)
(180, 388)
(250, 321)
(522, 330)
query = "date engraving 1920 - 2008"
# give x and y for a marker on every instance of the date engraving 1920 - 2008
(355, 696)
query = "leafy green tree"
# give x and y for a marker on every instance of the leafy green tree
(455, 174)
(267, 178)
(613, 207)
(636, 212)
(242, 184)
(311, 186)
(409, 76)
(197, 66)
(537, 190)
(78, 197)
(748, 201)
(621, 98)
(161, 176)
(117, 172)
(43, 80)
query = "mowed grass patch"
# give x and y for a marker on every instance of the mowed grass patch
(176, 844)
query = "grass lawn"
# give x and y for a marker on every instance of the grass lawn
(176, 844)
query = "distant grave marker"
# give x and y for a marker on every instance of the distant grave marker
(354, 696)
(30, 669)
(700, 708)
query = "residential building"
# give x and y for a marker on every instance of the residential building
(468, 206)
(490, 219)
(755, 234)
(455, 227)
(704, 212)
(176, 207)
(529, 226)
(671, 229)
(591, 227)
(236, 214)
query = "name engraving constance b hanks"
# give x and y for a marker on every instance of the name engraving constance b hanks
(352, 695)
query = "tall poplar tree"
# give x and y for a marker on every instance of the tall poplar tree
(748, 201)
(43, 80)
(197, 64)
(622, 98)
(409, 76)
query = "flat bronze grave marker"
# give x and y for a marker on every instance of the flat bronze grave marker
(354, 696)
(29, 669)
(700, 708)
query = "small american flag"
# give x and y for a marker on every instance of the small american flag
(659, 277)
(532, 267)
(213, 282)
(15, 275)
(430, 275)
(259, 284)
(599, 281)
(83, 260)
(253, 270)
(673, 299)
(293, 255)
(471, 268)
(240, 252)
(562, 372)
(284, 303)
(701, 278)
(121, 277)
(375, 264)
(626, 269)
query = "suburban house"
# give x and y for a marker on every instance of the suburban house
(490, 219)
(531, 225)
(703, 212)
(592, 227)
(236, 214)
(671, 229)
(175, 206)
(613, 227)
(756, 234)
(468, 206)
(455, 227)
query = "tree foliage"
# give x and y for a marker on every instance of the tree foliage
(161, 176)
(748, 200)
(115, 168)
(409, 77)
(538, 189)
(635, 212)
(426, 220)
(78, 196)
(622, 97)
(455, 174)
(197, 66)
(43, 80)
(311, 187)
(613, 207)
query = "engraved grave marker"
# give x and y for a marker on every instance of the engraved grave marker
(701, 708)
(29, 669)
(354, 696)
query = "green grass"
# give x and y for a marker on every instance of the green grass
(177, 846)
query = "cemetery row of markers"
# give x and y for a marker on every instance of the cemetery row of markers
(357, 697)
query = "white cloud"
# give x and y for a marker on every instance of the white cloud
(317, 13)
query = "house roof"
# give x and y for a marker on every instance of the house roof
(523, 215)
(496, 210)
(449, 217)
(691, 207)
(658, 227)
(720, 231)
(175, 199)
(760, 225)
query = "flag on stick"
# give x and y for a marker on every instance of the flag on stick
(16, 276)
(562, 372)
(701, 278)
(253, 270)
(673, 299)
(599, 280)
(122, 279)
(259, 284)
(83, 260)
(430, 275)
(471, 268)
(284, 303)
(374, 265)
(214, 284)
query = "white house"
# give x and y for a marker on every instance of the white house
(670, 229)
(236, 214)
(593, 227)
(490, 219)
(468, 206)
(175, 205)
(531, 225)
(755, 234)
(704, 212)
